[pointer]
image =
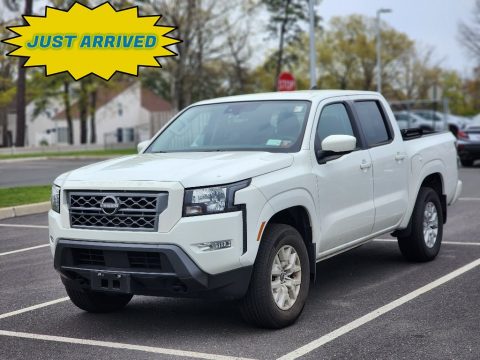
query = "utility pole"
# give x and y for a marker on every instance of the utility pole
(379, 48)
(313, 58)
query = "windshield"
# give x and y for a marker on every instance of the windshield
(275, 126)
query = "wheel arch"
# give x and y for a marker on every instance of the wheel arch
(300, 218)
(434, 181)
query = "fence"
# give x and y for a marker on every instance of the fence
(159, 119)
(48, 149)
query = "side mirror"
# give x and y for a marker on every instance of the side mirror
(334, 146)
(339, 143)
(142, 145)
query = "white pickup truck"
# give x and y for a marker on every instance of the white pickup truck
(240, 197)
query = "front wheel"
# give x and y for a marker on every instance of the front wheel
(96, 301)
(280, 280)
(425, 239)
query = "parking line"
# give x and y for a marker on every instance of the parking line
(24, 249)
(123, 346)
(315, 344)
(25, 226)
(443, 242)
(34, 307)
(469, 199)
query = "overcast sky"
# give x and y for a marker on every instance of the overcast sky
(430, 22)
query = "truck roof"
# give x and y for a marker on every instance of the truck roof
(289, 95)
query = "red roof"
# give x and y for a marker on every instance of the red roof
(154, 103)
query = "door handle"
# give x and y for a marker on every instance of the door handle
(400, 156)
(365, 165)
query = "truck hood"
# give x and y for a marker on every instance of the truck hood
(191, 168)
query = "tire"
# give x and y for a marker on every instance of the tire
(259, 306)
(417, 246)
(466, 162)
(96, 301)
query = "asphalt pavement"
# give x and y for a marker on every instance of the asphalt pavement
(368, 303)
(37, 172)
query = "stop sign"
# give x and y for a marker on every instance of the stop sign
(286, 82)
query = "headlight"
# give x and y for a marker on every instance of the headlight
(55, 198)
(212, 200)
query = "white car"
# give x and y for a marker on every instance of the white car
(410, 120)
(468, 144)
(240, 197)
(454, 122)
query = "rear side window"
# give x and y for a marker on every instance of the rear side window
(372, 122)
(334, 120)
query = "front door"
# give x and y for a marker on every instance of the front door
(345, 185)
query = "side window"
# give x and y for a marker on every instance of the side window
(372, 122)
(334, 120)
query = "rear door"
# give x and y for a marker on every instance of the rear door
(390, 163)
(345, 185)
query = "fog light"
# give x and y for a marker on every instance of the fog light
(214, 245)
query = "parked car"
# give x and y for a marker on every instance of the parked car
(468, 144)
(408, 120)
(454, 122)
(240, 197)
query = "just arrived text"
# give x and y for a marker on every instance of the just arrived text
(93, 41)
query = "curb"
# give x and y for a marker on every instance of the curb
(21, 210)
(58, 158)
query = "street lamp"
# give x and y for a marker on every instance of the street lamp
(379, 48)
(313, 59)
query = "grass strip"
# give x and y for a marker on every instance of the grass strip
(24, 195)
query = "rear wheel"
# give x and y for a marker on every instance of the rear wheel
(425, 239)
(280, 280)
(96, 301)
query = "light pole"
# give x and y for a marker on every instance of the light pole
(313, 58)
(379, 48)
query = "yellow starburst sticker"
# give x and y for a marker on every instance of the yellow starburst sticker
(100, 41)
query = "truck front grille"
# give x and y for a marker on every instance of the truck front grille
(88, 257)
(144, 260)
(116, 210)
(118, 259)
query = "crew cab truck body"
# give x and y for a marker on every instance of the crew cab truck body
(239, 197)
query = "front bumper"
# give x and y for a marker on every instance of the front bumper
(160, 270)
(185, 234)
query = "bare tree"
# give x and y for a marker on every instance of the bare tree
(22, 89)
(204, 26)
(7, 88)
(469, 33)
(285, 19)
(415, 73)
